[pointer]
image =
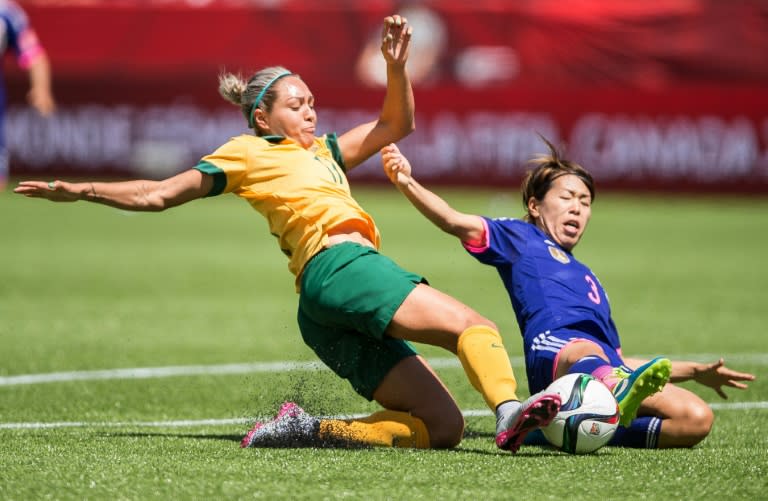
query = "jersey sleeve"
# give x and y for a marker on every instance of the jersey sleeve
(21, 38)
(227, 165)
(503, 242)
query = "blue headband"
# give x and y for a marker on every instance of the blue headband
(261, 95)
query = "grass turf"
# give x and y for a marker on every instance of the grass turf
(84, 287)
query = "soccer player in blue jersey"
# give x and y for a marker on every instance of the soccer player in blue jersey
(561, 308)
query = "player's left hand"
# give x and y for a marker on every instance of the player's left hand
(717, 375)
(396, 39)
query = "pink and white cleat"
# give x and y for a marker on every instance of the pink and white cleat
(536, 412)
(291, 427)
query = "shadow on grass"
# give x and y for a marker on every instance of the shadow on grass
(540, 447)
(196, 436)
(325, 444)
(282, 443)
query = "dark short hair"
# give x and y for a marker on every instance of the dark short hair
(548, 167)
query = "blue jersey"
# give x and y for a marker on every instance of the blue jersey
(548, 287)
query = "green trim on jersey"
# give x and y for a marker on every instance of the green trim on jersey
(219, 177)
(333, 145)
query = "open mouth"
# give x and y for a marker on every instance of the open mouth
(571, 228)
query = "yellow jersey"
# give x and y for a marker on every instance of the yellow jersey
(303, 193)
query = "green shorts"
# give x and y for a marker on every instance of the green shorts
(349, 294)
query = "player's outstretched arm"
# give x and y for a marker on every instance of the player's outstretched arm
(467, 227)
(136, 195)
(40, 95)
(396, 119)
(715, 375)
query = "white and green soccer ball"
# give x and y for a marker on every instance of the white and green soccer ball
(588, 417)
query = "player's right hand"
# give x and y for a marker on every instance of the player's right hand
(396, 166)
(55, 191)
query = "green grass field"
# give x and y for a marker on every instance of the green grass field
(201, 298)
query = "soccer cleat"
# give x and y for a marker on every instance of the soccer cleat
(638, 385)
(539, 410)
(291, 427)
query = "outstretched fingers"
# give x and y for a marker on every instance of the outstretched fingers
(396, 39)
(56, 191)
(717, 375)
(34, 188)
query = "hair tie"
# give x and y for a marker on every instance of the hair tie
(261, 95)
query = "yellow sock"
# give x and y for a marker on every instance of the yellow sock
(383, 428)
(486, 362)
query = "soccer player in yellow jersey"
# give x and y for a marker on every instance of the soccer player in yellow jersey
(357, 310)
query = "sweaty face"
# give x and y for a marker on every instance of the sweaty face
(564, 212)
(293, 112)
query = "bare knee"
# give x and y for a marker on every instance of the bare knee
(471, 318)
(700, 420)
(412, 386)
(689, 427)
(447, 430)
(575, 351)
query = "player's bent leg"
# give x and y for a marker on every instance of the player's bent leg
(420, 413)
(429, 316)
(412, 387)
(686, 418)
(432, 317)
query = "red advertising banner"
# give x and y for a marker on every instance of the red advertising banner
(136, 87)
(689, 139)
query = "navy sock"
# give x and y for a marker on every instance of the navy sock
(642, 433)
(587, 365)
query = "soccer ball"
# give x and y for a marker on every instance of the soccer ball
(588, 417)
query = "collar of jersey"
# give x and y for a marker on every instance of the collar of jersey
(273, 139)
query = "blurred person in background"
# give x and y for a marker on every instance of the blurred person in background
(358, 310)
(427, 50)
(562, 309)
(17, 35)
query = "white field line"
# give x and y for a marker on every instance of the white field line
(284, 366)
(191, 423)
(158, 372)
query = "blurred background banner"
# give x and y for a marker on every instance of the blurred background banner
(668, 95)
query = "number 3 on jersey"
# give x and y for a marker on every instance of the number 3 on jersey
(593, 294)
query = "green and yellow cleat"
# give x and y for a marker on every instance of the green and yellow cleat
(638, 385)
